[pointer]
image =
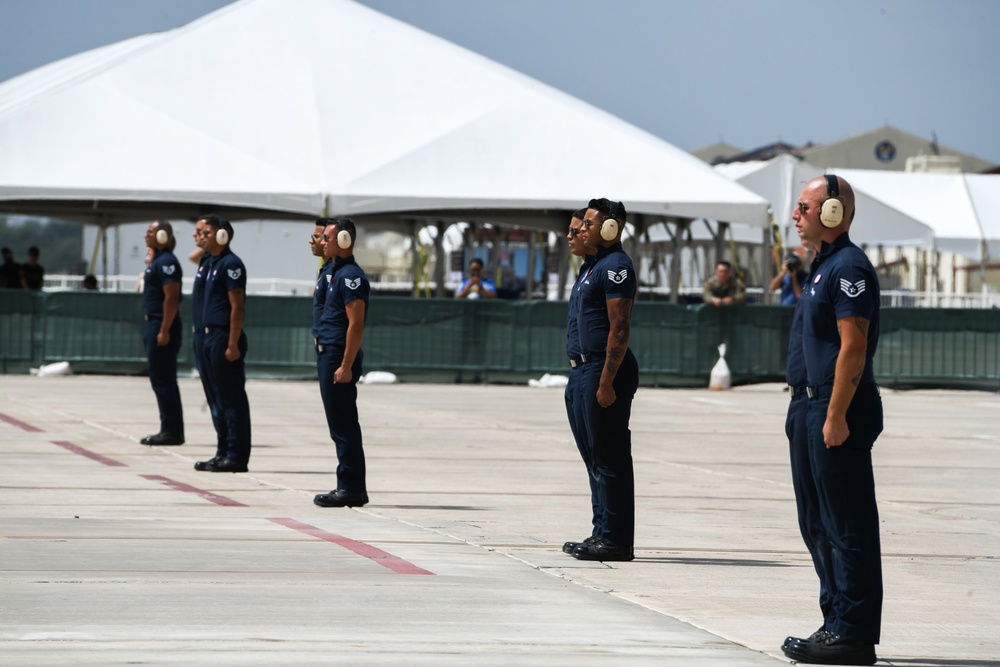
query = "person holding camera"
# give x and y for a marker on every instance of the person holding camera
(476, 286)
(790, 280)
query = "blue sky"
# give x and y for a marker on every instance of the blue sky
(748, 72)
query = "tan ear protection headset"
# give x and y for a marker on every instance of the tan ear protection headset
(831, 213)
(610, 226)
(162, 235)
(344, 236)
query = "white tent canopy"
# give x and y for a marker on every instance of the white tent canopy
(780, 181)
(962, 210)
(275, 108)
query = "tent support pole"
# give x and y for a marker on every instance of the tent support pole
(564, 267)
(532, 246)
(675, 262)
(439, 260)
(984, 251)
(415, 257)
(720, 243)
(104, 251)
(97, 246)
(766, 265)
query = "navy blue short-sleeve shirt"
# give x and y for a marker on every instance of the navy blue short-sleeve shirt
(163, 270)
(573, 318)
(319, 294)
(348, 283)
(842, 283)
(225, 274)
(611, 277)
(198, 291)
(795, 364)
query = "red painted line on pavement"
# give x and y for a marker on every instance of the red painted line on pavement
(187, 488)
(394, 563)
(20, 424)
(77, 449)
(150, 571)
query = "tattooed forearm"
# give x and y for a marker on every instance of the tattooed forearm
(860, 323)
(851, 359)
(619, 316)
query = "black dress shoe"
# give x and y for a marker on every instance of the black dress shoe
(832, 649)
(341, 498)
(205, 465)
(225, 465)
(814, 637)
(569, 546)
(162, 439)
(603, 551)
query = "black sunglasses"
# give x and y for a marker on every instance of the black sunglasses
(575, 231)
(803, 207)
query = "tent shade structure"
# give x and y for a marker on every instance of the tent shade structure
(962, 210)
(300, 108)
(780, 180)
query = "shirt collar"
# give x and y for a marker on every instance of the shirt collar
(343, 261)
(828, 249)
(604, 252)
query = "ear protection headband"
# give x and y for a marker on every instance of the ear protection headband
(344, 236)
(831, 213)
(611, 224)
(222, 236)
(162, 235)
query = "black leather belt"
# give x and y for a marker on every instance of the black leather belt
(212, 327)
(797, 392)
(822, 391)
(576, 361)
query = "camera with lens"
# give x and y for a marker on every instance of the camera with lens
(793, 261)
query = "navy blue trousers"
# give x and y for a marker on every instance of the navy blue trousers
(228, 383)
(210, 397)
(807, 504)
(163, 375)
(845, 489)
(340, 402)
(611, 446)
(578, 425)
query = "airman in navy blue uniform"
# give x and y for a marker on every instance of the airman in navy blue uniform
(806, 495)
(574, 400)
(226, 345)
(323, 276)
(609, 380)
(338, 362)
(203, 259)
(161, 298)
(840, 330)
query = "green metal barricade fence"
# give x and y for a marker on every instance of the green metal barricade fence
(447, 340)
(939, 348)
(18, 317)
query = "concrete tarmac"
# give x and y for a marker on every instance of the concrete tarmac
(116, 553)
